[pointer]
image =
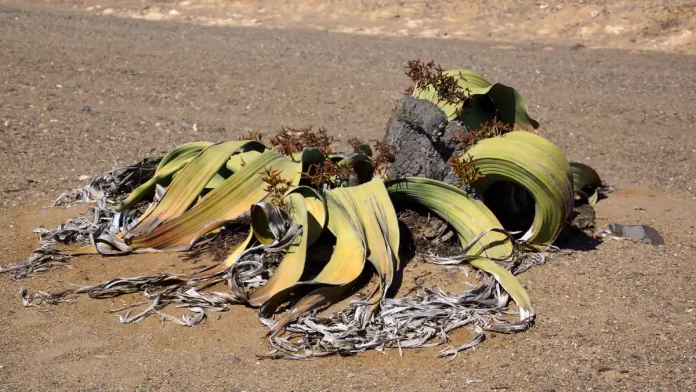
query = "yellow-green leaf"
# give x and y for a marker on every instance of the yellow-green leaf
(473, 223)
(291, 267)
(170, 164)
(225, 203)
(539, 167)
(487, 101)
(187, 186)
(468, 216)
(586, 181)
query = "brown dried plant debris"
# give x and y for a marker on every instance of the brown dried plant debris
(383, 157)
(328, 174)
(276, 186)
(252, 135)
(465, 169)
(355, 143)
(360, 147)
(219, 246)
(486, 131)
(293, 140)
(431, 74)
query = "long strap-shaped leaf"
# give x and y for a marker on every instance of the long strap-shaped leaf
(526, 160)
(187, 186)
(224, 203)
(358, 216)
(473, 223)
(468, 216)
(509, 283)
(305, 208)
(170, 164)
(272, 229)
(348, 257)
(369, 204)
(510, 106)
(345, 266)
(585, 181)
(562, 171)
(316, 218)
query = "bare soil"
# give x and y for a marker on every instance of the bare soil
(665, 25)
(613, 315)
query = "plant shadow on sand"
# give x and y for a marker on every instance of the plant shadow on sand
(577, 233)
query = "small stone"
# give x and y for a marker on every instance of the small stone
(86, 108)
(434, 229)
(447, 237)
(584, 217)
(234, 360)
(603, 369)
(638, 233)
(577, 46)
(84, 177)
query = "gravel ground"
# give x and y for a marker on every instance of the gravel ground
(616, 316)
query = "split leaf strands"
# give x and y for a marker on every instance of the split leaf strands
(299, 193)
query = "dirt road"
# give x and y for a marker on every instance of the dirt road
(81, 93)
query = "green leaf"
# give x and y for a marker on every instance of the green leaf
(474, 224)
(223, 204)
(538, 166)
(167, 168)
(365, 225)
(187, 186)
(468, 216)
(586, 181)
(487, 101)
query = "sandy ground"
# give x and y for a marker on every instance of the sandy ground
(616, 316)
(664, 25)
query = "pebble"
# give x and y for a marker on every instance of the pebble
(234, 360)
(603, 369)
(639, 233)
